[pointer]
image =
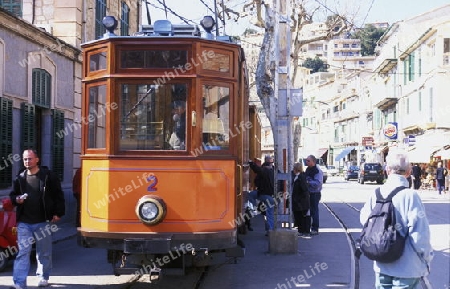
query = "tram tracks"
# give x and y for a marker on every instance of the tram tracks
(355, 268)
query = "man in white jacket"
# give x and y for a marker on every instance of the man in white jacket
(414, 263)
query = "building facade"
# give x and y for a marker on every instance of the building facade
(40, 78)
(399, 100)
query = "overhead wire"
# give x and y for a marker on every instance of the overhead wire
(185, 20)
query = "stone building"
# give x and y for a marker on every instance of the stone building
(40, 78)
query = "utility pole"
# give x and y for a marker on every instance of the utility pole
(282, 241)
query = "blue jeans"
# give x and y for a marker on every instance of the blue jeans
(314, 199)
(383, 281)
(252, 196)
(269, 207)
(440, 183)
(27, 235)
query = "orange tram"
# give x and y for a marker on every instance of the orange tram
(167, 131)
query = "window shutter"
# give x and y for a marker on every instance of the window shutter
(28, 138)
(41, 87)
(125, 20)
(6, 142)
(13, 6)
(100, 12)
(58, 143)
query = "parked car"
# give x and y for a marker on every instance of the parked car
(320, 164)
(333, 171)
(351, 173)
(373, 172)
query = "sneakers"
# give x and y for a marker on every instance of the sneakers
(43, 283)
(313, 233)
(15, 287)
(304, 235)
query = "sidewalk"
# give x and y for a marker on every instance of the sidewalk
(322, 261)
(433, 196)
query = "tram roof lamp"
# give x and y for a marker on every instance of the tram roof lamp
(208, 23)
(110, 23)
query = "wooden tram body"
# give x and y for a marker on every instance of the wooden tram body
(146, 191)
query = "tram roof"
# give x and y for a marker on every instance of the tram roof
(163, 29)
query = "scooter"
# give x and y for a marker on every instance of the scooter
(8, 233)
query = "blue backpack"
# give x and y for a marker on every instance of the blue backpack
(379, 240)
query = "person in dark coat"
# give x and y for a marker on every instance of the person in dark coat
(300, 201)
(76, 188)
(441, 173)
(417, 175)
(266, 191)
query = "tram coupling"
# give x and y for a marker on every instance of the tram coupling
(155, 274)
(201, 257)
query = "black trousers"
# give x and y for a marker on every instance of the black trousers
(302, 221)
(417, 183)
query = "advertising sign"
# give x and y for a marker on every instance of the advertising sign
(390, 130)
(367, 141)
(411, 140)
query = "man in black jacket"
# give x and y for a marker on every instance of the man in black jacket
(417, 174)
(266, 191)
(40, 203)
(441, 173)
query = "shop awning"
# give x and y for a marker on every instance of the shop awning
(421, 154)
(444, 154)
(343, 153)
(318, 153)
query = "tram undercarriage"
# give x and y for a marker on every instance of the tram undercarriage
(173, 253)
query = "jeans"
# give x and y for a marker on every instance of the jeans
(27, 235)
(252, 196)
(383, 281)
(269, 207)
(440, 183)
(314, 199)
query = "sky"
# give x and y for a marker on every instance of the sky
(395, 10)
(365, 11)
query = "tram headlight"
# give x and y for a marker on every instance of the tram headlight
(207, 23)
(110, 23)
(151, 210)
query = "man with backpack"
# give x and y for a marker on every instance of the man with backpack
(413, 262)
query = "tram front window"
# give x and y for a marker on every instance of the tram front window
(96, 117)
(153, 117)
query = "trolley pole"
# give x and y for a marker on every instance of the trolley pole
(282, 239)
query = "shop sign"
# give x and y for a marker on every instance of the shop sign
(367, 141)
(411, 140)
(390, 130)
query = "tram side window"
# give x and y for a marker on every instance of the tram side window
(216, 117)
(97, 61)
(96, 117)
(153, 117)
